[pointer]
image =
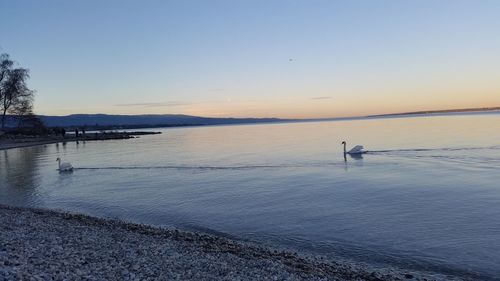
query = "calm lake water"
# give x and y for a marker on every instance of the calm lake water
(426, 196)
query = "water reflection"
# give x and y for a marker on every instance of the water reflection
(356, 156)
(19, 174)
(357, 160)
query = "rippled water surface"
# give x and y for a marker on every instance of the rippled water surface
(427, 195)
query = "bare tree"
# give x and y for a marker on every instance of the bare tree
(15, 96)
(23, 111)
(5, 67)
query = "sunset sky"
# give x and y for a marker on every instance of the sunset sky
(289, 59)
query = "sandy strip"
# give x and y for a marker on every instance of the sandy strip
(25, 142)
(8, 144)
(48, 245)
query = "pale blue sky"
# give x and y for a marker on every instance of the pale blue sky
(255, 58)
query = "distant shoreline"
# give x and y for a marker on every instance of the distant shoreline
(17, 143)
(463, 110)
(122, 122)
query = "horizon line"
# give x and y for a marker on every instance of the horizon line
(457, 110)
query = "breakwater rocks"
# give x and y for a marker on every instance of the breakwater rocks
(113, 135)
(48, 245)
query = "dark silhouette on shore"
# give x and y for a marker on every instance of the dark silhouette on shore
(15, 96)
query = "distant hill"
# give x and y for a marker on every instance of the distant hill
(439, 111)
(136, 121)
(107, 121)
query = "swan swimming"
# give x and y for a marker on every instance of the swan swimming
(358, 149)
(64, 167)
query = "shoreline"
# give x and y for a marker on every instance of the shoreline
(48, 244)
(4, 145)
(27, 142)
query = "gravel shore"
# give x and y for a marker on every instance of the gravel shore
(49, 245)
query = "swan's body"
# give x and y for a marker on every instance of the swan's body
(358, 149)
(64, 167)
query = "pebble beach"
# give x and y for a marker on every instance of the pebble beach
(49, 245)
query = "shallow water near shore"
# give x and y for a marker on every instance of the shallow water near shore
(425, 196)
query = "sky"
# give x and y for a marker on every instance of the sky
(255, 58)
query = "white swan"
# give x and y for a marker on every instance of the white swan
(64, 167)
(358, 149)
